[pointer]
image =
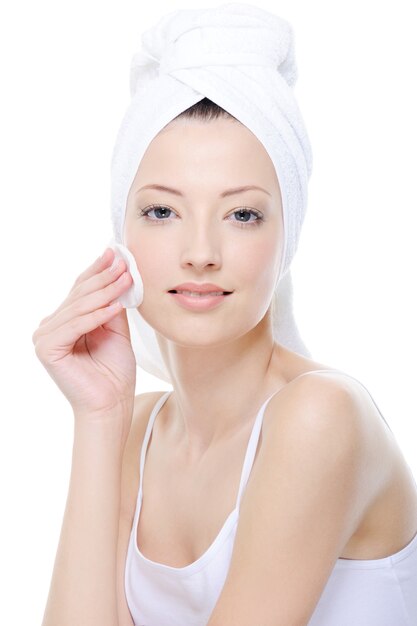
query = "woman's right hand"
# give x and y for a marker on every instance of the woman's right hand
(85, 345)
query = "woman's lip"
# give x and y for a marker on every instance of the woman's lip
(202, 291)
(198, 303)
(204, 287)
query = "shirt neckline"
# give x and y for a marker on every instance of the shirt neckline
(231, 519)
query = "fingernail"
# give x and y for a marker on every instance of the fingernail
(115, 265)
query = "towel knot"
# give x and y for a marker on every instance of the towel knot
(236, 35)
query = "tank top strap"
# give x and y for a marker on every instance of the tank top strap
(161, 400)
(251, 450)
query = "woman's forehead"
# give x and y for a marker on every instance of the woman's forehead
(218, 150)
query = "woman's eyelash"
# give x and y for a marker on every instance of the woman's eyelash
(257, 214)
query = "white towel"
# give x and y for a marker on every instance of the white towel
(242, 58)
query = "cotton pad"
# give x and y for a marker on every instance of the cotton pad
(133, 297)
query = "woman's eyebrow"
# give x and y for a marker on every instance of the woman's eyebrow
(224, 194)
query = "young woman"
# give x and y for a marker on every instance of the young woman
(265, 488)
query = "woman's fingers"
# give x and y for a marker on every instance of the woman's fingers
(67, 335)
(95, 294)
(97, 279)
(98, 265)
(98, 286)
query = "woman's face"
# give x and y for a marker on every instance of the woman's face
(201, 234)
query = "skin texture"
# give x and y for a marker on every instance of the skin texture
(202, 239)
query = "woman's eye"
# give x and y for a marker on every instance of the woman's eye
(243, 215)
(158, 209)
(243, 221)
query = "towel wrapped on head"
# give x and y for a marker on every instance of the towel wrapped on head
(242, 58)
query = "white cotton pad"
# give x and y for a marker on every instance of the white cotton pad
(132, 297)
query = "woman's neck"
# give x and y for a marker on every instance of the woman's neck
(216, 389)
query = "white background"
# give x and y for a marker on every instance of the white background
(65, 86)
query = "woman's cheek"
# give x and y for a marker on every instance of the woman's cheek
(256, 260)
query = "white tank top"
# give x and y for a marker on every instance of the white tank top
(376, 592)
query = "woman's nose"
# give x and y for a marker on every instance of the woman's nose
(201, 247)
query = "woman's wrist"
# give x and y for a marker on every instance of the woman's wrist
(111, 425)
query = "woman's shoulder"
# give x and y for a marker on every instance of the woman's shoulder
(313, 382)
(320, 393)
(328, 392)
(387, 478)
(143, 405)
(322, 408)
(324, 384)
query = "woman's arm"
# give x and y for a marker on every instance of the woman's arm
(85, 347)
(318, 470)
(83, 586)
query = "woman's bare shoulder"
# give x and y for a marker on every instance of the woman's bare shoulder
(336, 405)
(319, 385)
(315, 378)
(143, 405)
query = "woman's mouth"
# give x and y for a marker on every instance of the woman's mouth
(200, 294)
(197, 300)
